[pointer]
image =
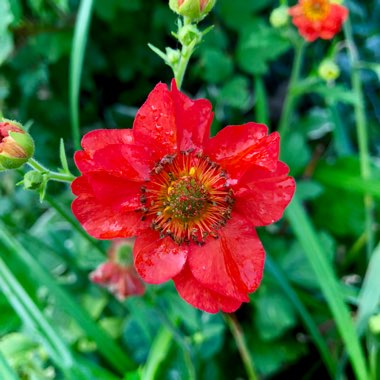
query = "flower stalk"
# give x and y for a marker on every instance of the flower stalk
(238, 335)
(50, 174)
(290, 99)
(362, 135)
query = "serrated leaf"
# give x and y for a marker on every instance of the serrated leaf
(235, 92)
(258, 45)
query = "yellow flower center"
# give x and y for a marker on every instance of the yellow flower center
(188, 198)
(316, 10)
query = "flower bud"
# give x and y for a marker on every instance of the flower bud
(16, 145)
(196, 10)
(328, 70)
(33, 180)
(279, 17)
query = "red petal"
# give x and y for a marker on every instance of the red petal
(117, 192)
(158, 260)
(238, 147)
(264, 195)
(101, 218)
(100, 138)
(201, 297)
(155, 124)
(231, 265)
(193, 119)
(132, 161)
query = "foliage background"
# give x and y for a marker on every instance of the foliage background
(48, 305)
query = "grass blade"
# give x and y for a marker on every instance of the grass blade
(369, 295)
(106, 346)
(32, 317)
(157, 354)
(6, 371)
(76, 64)
(307, 237)
(271, 266)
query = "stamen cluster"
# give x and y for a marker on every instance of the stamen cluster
(188, 198)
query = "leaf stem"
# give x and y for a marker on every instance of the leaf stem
(52, 175)
(289, 102)
(362, 134)
(238, 335)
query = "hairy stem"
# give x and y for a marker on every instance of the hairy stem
(52, 175)
(241, 344)
(289, 102)
(362, 134)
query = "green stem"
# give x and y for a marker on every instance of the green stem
(52, 175)
(186, 53)
(261, 104)
(238, 335)
(361, 128)
(291, 97)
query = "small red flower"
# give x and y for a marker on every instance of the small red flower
(191, 200)
(118, 273)
(318, 18)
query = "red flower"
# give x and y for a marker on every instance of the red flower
(191, 200)
(318, 18)
(118, 273)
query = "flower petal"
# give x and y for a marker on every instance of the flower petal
(193, 292)
(155, 123)
(100, 138)
(158, 259)
(99, 216)
(231, 265)
(193, 119)
(238, 147)
(264, 195)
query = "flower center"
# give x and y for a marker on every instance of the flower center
(188, 198)
(316, 10)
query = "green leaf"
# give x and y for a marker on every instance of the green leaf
(216, 66)
(235, 93)
(274, 314)
(258, 45)
(62, 156)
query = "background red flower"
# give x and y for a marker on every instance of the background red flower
(318, 18)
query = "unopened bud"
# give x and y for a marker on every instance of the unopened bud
(279, 17)
(173, 56)
(328, 70)
(196, 10)
(16, 145)
(33, 180)
(188, 34)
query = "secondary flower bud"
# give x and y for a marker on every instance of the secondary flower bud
(279, 17)
(328, 70)
(193, 9)
(16, 145)
(33, 180)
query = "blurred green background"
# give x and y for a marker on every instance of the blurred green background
(55, 324)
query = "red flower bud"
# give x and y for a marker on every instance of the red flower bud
(194, 9)
(16, 145)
